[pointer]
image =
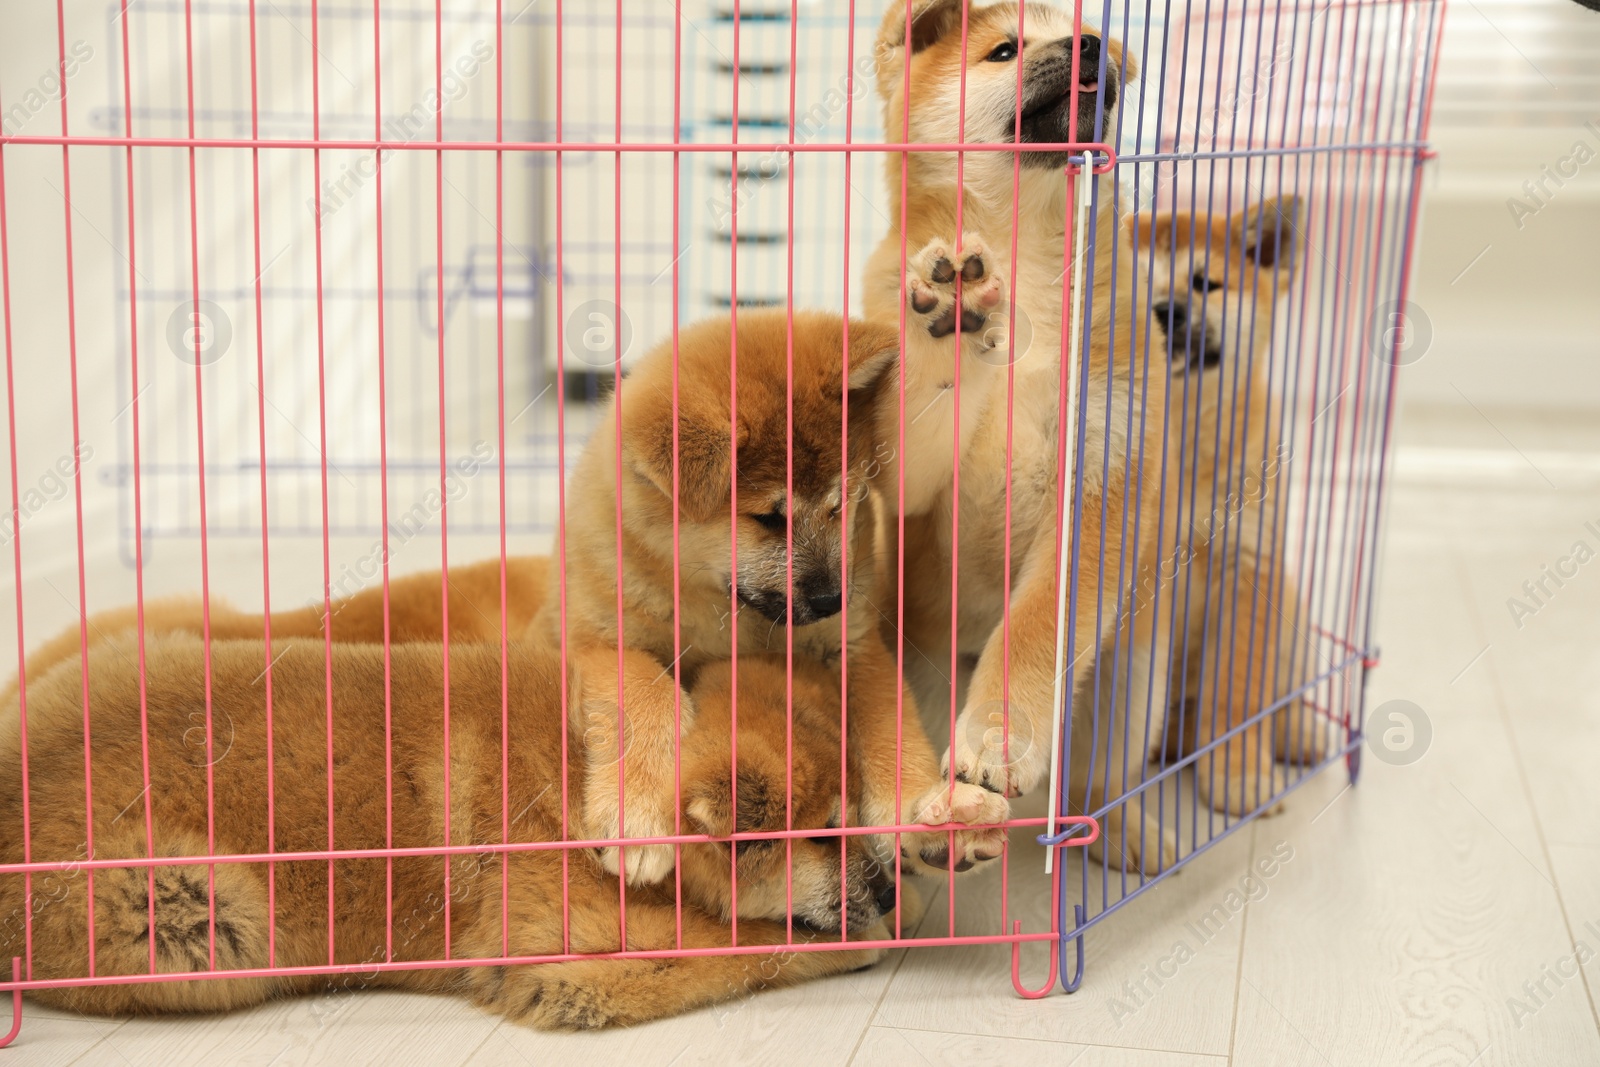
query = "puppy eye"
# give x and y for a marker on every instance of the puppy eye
(1003, 53)
(772, 520)
(828, 842)
(1202, 284)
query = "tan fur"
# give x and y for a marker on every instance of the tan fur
(1220, 573)
(1117, 462)
(411, 924)
(895, 754)
(414, 615)
(534, 604)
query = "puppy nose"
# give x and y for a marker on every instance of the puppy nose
(1089, 49)
(886, 898)
(1171, 316)
(825, 605)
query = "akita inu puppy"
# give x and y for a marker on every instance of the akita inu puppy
(414, 908)
(1011, 384)
(1218, 629)
(899, 786)
(772, 435)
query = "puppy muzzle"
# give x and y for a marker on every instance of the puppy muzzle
(1190, 345)
(1048, 91)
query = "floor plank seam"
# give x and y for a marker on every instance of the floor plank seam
(1244, 933)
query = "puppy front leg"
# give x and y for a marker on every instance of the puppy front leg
(925, 794)
(1009, 753)
(1231, 674)
(1119, 716)
(1017, 760)
(643, 802)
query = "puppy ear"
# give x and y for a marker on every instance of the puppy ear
(760, 801)
(705, 446)
(874, 347)
(1121, 59)
(1269, 233)
(930, 20)
(1151, 232)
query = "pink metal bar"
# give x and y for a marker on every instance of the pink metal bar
(322, 457)
(138, 498)
(561, 494)
(715, 147)
(514, 846)
(955, 448)
(733, 478)
(444, 506)
(200, 476)
(900, 486)
(16, 561)
(1011, 411)
(616, 399)
(515, 961)
(789, 493)
(677, 548)
(844, 454)
(77, 472)
(500, 429)
(383, 491)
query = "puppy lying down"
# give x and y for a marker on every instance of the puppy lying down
(411, 908)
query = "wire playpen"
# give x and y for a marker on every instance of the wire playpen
(347, 287)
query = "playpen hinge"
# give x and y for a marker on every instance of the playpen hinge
(1067, 838)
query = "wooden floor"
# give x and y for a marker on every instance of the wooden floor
(1429, 916)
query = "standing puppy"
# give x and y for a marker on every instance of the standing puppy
(1010, 385)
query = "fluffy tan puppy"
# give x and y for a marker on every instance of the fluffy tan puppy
(196, 925)
(746, 602)
(901, 779)
(1218, 623)
(1008, 374)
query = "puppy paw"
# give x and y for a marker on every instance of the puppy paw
(912, 909)
(931, 288)
(1241, 791)
(1300, 734)
(645, 864)
(1137, 845)
(940, 805)
(986, 755)
(556, 1000)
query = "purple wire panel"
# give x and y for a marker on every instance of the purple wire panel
(1242, 638)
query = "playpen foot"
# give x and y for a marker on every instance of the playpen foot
(16, 1003)
(1071, 984)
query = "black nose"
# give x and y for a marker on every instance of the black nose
(886, 898)
(1089, 49)
(827, 604)
(1172, 317)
